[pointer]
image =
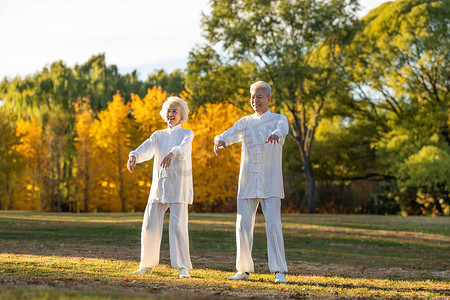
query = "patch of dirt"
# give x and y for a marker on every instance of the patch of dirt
(149, 290)
(352, 271)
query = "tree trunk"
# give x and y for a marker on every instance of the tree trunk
(86, 180)
(310, 186)
(39, 181)
(297, 130)
(52, 183)
(10, 198)
(58, 181)
(121, 192)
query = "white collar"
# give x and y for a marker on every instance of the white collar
(171, 129)
(264, 115)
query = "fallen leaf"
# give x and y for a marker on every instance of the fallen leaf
(234, 286)
(21, 252)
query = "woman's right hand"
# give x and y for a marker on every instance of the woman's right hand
(131, 163)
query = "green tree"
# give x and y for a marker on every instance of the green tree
(293, 45)
(399, 67)
(172, 83)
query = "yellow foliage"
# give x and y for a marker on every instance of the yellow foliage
(110, 132)
(36, 155)
(146, 111)
(87, 164)
(101, 181)
(215, 178)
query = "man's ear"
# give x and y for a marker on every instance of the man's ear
(270, 98)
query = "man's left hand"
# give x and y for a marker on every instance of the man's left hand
(273, 139)
(165, 163)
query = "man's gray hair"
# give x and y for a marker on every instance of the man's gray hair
(184, 108)
(263, 85)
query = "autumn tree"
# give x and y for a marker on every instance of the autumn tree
(215, 180)
(12, 162)
(111, 135)
(85, 148)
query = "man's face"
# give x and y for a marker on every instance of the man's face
(259, 100)
(174, 114)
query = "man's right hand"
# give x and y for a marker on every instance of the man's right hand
(131, 163)
(219, 145)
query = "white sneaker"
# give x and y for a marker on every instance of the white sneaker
(183, 273)
(279, 278)
(240, 276)
(143, 271)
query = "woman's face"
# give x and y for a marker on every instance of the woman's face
(173, 114)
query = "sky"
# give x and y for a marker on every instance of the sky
(134, 34)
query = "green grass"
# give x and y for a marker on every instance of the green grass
(92, 256)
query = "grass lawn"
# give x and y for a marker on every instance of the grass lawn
(92, 256)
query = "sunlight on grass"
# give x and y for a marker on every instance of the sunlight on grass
(45, 269)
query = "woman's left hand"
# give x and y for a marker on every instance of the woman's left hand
(165, 163)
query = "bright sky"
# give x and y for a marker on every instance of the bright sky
(134, 34)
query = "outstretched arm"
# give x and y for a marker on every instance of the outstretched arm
(229, 137)
(144, 152)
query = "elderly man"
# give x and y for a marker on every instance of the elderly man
(260, 180)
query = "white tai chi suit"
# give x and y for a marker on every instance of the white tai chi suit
(171, 187)
(260, 181)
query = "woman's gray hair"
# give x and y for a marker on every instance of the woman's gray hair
(181, 102)
(263, 85)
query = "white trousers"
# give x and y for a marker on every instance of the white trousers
(152, 228)
(246, 212)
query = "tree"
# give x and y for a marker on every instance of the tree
(36, 152)
(145, 112)
(58, 138)
(429, 170)
(85, 147)
(12, 162)
(172, 83)
(398, 66)
(293, 45)
(111, 136)
(215, 180)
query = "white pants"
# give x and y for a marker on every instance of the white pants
(246, 212)
(152, 228)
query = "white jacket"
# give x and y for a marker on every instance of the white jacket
(261, 163)
(174, 184)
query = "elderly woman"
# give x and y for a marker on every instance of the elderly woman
(171, 187)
